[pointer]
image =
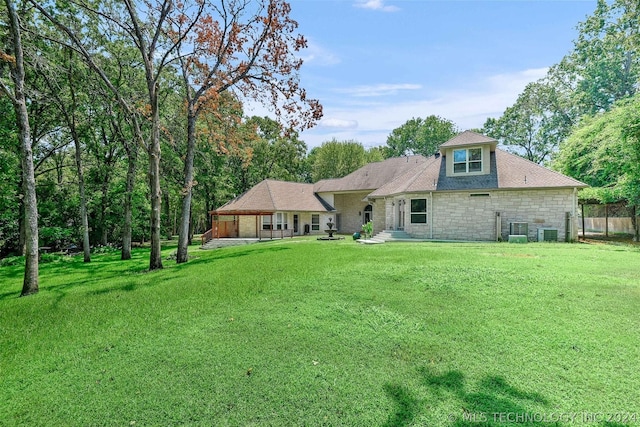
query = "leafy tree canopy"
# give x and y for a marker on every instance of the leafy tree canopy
(604, 151)
(335, 159)
(534, 126)
(420, 136)
(602, 68)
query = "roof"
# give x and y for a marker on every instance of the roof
(467, 138)
(371, 176)
(518, 172)
(276, 196)
(507, 171)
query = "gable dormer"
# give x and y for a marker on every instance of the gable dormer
(468, 154)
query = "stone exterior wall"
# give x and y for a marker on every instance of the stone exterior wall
(472, 215)
(379, 214)
(350, 207)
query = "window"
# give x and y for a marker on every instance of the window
(467, 160)
(315, 222)
(418, 211)
(281, 221)
(266, 222)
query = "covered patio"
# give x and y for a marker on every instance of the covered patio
(226, 224)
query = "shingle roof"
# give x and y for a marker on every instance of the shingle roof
(271, 196)
(467, 138)
(507, 171)
(371, 176)
(517, 172)
(423, 178)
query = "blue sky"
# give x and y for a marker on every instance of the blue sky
(374, 64)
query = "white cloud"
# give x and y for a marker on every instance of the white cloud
(467, 107)
(338, 123)
(375, 5)
(378, 90)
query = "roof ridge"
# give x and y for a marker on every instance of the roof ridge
(273, 203)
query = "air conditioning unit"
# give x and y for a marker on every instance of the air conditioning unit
(547, 235)
(519, 228)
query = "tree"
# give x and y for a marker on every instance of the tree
(605, 56)
(604, 151)
(224, 156)
(602, 68)
(534, 126)
(275, 154)
(249, 46)
(9, 176)
(15, 60)
(65, 96)
(156, 53)
(594, 153)
(420, 136)
(335, 159)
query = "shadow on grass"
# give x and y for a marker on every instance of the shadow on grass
(484, 405)
(111, 267)
(223, 253)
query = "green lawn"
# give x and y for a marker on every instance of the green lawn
(304, 332)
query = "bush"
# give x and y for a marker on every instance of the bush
(11, 261)
(55, 236)
(367, 229)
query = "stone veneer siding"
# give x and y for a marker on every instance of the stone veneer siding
(350, 207)
(460, 216)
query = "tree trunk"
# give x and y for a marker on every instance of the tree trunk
(86, 247)
(190, 226)
(104, 203)
(155, 259)
(185, 216)
(30, 283)
(71, 122)
(132, 157)
(167, 216)
(22, 227)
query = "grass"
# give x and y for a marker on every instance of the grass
(302, 332)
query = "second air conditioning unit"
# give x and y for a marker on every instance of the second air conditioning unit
(547, 235)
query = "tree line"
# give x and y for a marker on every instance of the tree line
(96, 92)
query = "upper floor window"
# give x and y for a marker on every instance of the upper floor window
(467, 160)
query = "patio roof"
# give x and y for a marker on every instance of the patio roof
(271, 196)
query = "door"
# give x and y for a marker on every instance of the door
(368, 214)
(295, 224)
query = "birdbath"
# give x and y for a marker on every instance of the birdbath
(330, 230)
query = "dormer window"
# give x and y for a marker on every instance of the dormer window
(467, 160)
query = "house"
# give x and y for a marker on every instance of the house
(469, 190)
